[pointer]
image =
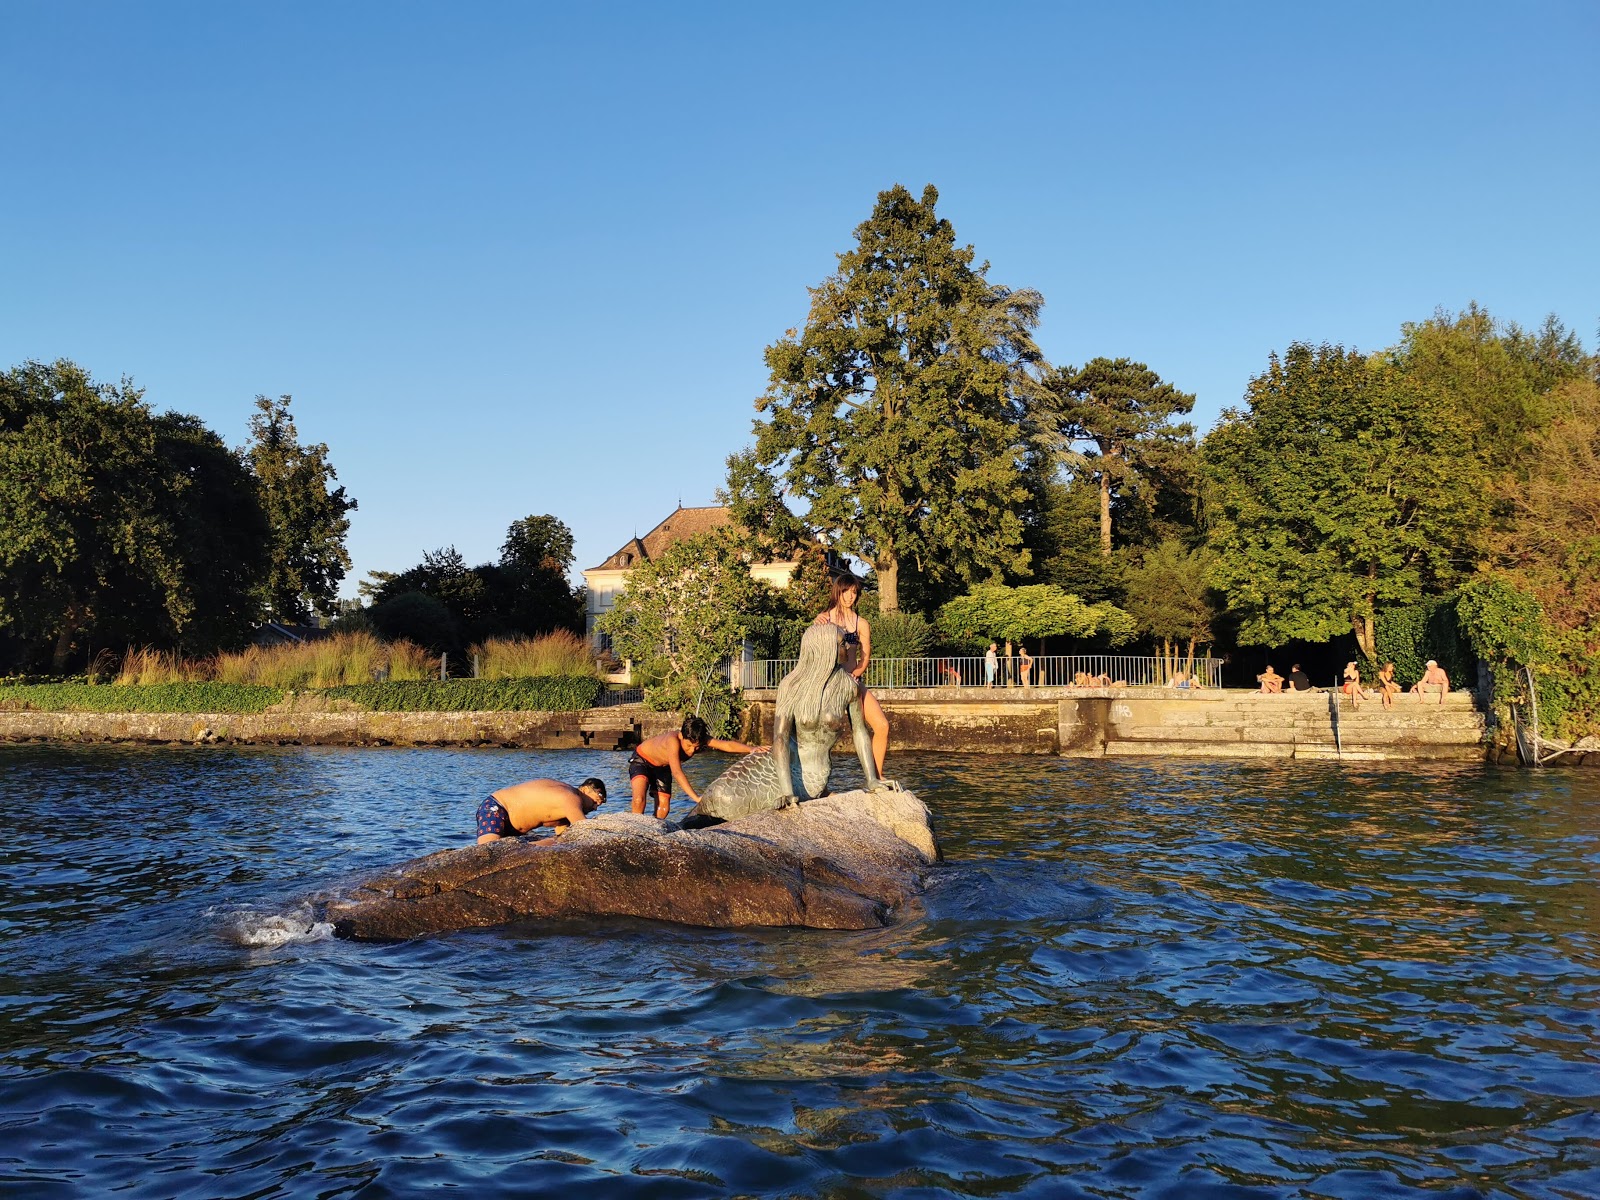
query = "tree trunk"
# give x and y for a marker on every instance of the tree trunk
(1365, 639)
(1105, 513)
(63, 651)
(888, 569)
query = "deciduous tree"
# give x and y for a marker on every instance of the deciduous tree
(1339, 492)
(86, 528)
(682, 616)
(1036, 610)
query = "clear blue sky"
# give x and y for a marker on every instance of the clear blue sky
(519, 258)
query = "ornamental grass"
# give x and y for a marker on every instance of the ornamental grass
(559, 653)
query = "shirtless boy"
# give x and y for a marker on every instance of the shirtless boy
(654, 764)
(524, 806)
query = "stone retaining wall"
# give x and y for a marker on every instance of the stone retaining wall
(1078, 722)
(1105, 722)
(616, 728)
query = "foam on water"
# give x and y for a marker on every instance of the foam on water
(257, 930)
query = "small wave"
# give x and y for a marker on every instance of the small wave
(267, 930)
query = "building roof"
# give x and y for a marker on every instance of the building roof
(683, 523)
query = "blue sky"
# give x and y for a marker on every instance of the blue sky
(521, 258)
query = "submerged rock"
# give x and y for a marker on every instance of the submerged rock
(840, 862)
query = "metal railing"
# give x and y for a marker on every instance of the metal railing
(1048, 670)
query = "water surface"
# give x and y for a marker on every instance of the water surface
(1184, 979)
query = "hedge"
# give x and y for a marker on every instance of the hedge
(554, 693)
(150, 698)
(545, 693)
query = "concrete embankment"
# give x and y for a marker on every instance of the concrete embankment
(1079, 722)
(615, 728)
(1111, 722)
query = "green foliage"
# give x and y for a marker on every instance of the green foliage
(151, 698)
(1169, 594)
(1504, 624)
(1495, 374)
(549, 693)
(309, 521)
(525, 594)
(1409, 637)
(1339, 494)
(417, 617)
(683, 616)
(901, 635)
(119, 526)
(1035, 611)
(1064, 540)
(1121, 411)
(901, 414)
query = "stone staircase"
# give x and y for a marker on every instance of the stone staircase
(1248, 724)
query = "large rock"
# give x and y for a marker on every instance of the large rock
(839, 862)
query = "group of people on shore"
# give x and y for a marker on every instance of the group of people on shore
(657, 763)
(1388, 687)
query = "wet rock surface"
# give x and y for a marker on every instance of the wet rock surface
(839, 862)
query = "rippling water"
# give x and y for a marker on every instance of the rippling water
(1162, 979)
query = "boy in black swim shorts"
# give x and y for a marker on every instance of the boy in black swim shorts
(656, 763)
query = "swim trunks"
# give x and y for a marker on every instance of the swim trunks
(494, 819)
(658, 779)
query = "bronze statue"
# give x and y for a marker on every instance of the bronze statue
(814, 702)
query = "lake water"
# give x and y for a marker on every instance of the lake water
(1165, 979)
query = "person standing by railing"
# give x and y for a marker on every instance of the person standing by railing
(845, 596)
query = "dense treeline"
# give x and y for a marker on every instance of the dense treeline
(1436, 498)
(123, 526)
(447, 606)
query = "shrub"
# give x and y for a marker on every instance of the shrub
(549, 693)
(150, 698)
(1410, 636)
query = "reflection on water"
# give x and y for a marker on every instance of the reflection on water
(1129, 979)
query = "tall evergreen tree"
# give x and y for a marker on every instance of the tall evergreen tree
(308, 518)
(899, 415)
(1114, 418)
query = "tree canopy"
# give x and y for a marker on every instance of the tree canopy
(1036, 610)
(1341, 491)
(1122, 412)
(901, 414)
(119, 526)
(308, 519)
(683, 615)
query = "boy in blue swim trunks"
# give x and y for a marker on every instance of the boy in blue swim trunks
(654, 764)
(524, 806)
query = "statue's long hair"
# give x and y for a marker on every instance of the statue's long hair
(818, 689)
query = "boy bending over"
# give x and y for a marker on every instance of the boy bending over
(524, 806)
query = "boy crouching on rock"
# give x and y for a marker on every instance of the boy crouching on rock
(526, 806)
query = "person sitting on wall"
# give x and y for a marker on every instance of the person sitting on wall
(655, 763)
(1432, 678)
(1181, 680)
(1271, 682)
(1299, 681)
(1388, 686)
(1352, 685)
(538, 802)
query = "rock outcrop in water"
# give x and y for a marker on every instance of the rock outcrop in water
(840, 862)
